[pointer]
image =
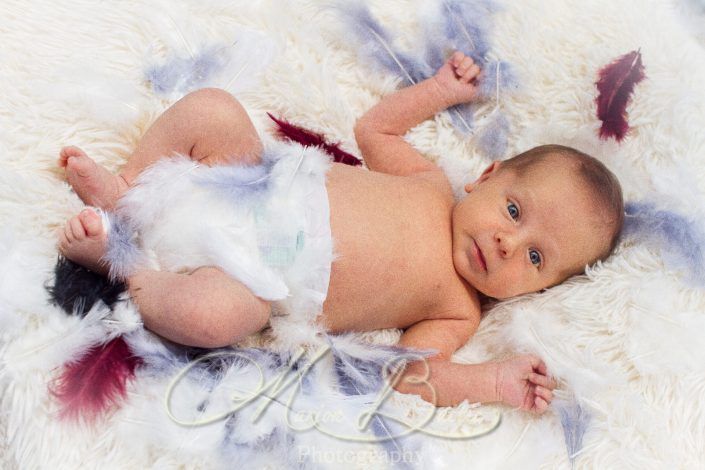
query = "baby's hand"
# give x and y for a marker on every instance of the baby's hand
(522, 382)
(457, 79)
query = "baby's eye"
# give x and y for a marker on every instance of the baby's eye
(513, 210)
(535, 257)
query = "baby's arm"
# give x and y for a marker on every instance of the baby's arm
(379, 132)
(520, 381)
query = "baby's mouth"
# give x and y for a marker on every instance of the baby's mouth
(477, 253)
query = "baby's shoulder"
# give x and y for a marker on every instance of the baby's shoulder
(437, 183)
(457, 300)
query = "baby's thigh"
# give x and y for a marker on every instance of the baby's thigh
(225, 131)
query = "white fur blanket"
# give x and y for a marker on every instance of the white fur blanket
(624, 339)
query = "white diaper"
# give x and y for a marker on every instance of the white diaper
(266, 225)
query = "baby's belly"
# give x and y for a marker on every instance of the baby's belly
(392, 251)
(372, 299)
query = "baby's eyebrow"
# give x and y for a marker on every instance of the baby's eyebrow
(527, 196)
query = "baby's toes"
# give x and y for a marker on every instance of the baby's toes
(91, 222)
(70, 151)
(62, 240)
(81, 166)
(76, 231)
(66, 237)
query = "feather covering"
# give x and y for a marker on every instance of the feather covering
(76, 289)
(234, 66)
(307, 138)
(575, 420)
(615, 85)
(680, 239)
(453, 25)
(96, 381)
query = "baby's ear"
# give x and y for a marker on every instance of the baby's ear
(494, 166)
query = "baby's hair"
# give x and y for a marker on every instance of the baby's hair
(598, 179)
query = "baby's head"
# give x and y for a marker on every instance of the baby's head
(534, 220)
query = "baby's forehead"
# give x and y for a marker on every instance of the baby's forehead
(552, 187)
(547, 169)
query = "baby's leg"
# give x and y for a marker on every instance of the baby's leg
(204, 308)
(209, 125)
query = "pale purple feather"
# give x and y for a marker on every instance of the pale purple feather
(464, 26)
(494, 136)
(122, 254)
(237, 182)
(575, 420)
(467, 26)
(393, 447)
(462, 117)
(375, 44)
(498, 77)
(365, 376)
(184, 74)
(358, 376)
(361, 364)
(681, 240)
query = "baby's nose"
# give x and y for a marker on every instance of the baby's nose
(506, 244)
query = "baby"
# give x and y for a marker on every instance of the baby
(407, 256)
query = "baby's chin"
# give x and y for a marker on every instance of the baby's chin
(500, 293)
(484, 290)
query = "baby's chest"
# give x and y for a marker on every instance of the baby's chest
(391, 268)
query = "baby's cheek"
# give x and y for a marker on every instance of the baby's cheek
(511, 284)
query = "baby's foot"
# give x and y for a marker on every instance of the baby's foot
(84, 241)
(95, 185)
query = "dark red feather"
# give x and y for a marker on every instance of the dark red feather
(615, 85)
(309, 138)
(96, 382)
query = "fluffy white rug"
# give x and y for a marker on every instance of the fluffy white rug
(625, 339)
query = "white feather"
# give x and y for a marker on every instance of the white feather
(93, 94)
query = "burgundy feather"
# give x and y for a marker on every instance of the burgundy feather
(88, 387)
(309, 138)
(615, 85)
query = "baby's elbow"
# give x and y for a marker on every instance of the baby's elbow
(414, 381)
(424, 393)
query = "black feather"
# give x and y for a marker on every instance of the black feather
(76, 289)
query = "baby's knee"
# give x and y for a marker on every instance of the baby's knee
(226, 133)
(212, 101)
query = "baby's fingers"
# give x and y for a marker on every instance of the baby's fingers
(542, 380)
(472, 72)
(456, 59)
(544, 393)
(540, 405)
(464, 66)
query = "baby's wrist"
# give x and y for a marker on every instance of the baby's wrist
(495, 374)
(442, 94)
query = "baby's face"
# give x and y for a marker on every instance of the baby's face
(517, 234)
